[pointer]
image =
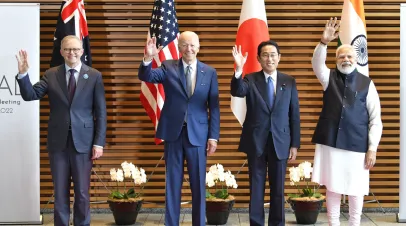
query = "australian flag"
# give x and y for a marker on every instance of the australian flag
(71, 21)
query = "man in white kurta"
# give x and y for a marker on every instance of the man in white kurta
(345, 171)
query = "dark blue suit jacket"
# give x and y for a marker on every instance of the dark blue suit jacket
(201, 125)
(86, 114)
(284, 117)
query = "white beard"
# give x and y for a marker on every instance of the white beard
(347, 70)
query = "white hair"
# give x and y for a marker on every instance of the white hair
(346, 46)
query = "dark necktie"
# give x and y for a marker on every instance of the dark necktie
(71, 84)
(271, 92)
(188, 81)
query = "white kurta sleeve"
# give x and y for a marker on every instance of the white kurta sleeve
(375, 121)
(319, 65)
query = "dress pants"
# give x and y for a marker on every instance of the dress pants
(66, 166)
(258, 167)
(175, 154)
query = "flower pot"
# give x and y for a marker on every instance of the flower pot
(306, 211)
(125, 212)
(217, 211)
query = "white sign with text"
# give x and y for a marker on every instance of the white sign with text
(19, 120)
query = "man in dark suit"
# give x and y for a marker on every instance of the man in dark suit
(76, 126)
(189, 131)
(271, 130)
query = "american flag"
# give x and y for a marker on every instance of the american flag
(71, 21)
(163, 26)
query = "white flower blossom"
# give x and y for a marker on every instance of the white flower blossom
(213, 170)
(294, 174)
(120, 175)
(113, 174)
(209, 179)
(127, 169)
(216, 174)
(139, 176)
(305, 169)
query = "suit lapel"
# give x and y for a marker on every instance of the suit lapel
(82, 79)
(280, 87)
(200, 73)
(61, 77)
(262, 86)
(181, 74)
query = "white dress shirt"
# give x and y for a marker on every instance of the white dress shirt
(274, 76)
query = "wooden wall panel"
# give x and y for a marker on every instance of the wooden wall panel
(118, 29)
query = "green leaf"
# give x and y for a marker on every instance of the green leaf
(131, 191)
(293, 195)
(208, 195)
(221, 194)
(307, 192)
(117, 195)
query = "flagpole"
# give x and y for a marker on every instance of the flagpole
(401, 216)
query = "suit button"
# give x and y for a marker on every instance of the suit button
(345, 97)
(343, 106)
(339, 128)
(342, 117)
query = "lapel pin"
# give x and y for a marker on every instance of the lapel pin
(283, 86)
(85, 76)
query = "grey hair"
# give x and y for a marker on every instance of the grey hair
(69, 37)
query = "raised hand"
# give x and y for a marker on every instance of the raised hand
(330, 31)
(22, 60)
(150, 49)
(239, 59)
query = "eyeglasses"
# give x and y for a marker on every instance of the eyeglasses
(266, 55)
(74, 50)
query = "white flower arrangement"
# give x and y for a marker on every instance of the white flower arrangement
(215, 177)
(302, 172)
(128, 171)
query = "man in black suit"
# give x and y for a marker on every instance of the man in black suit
(76, 126)
(271, 130)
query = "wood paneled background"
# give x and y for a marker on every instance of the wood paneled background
(118, 30)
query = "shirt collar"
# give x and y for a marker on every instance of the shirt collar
(273, 75)
(192, 66)
(77, 68)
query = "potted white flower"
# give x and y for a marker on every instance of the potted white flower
(220, 202)
(126, 204)
(307, 202)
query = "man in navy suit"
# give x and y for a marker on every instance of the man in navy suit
(189, 131)
(271, 130)
(76, 126)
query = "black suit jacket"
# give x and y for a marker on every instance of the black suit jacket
(284, 117)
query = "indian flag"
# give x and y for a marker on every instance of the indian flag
(353, 32)
(252, 30)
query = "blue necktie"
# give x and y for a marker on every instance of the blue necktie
(271, 93)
